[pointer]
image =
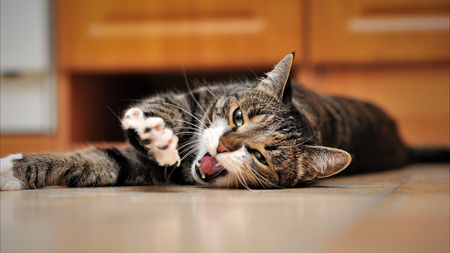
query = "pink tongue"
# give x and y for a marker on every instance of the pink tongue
(207, 165)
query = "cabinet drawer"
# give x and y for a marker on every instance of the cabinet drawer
(379, 31)
(164, 35)
(27, 104)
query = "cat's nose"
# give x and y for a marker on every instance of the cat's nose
(222, 148)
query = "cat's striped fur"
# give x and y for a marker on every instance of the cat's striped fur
(268, 133)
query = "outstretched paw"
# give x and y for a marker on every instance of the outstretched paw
(152, 134)
(8, 181)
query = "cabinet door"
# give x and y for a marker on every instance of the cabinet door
(165, 35)
(379, 31)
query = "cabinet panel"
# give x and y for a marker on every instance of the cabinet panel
(25, 36)
(165, 35)
(379, 31)
(27, 104)
(415, 96)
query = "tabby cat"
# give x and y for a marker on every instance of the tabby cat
(269, 133)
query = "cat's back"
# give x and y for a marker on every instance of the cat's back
(359, 127)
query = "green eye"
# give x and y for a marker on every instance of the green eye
(259, 157)
(237, 117)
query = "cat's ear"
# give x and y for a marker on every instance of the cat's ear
(321, 162)
(277, 82)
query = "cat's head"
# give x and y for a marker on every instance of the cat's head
(257, 138)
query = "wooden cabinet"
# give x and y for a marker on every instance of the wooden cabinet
(143, 35)
(379, 31)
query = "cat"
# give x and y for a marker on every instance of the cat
(267, 133)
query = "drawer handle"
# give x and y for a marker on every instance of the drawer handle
(155, 29)
(398, 24)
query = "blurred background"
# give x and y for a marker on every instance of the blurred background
(69, 67)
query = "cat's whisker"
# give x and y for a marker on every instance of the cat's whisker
(193, 133)
(188, 150)
(165, 174)
(189, 153)
(192, 95)
(251, 171)
(240, 80)
(243, 182)
(284, 156)
(237, 176)
(188, 146)
(188, 132)
(185, 112)
(228, 182)
(256, 76)
(189, 123)
(190, 143)
(114, 113)
(312, 136)
(203, 116)
(263, 178)
(207, 89)
(170, 173)
(187, 129)
(243, 179)
(237, 179)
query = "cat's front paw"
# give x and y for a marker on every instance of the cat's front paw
(8, 181)
(153, 136)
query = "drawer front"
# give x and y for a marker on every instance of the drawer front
(165, 35)
(379, 31)
(27, 104)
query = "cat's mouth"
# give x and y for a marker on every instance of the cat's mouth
(208, 168)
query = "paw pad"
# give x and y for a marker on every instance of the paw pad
(154, 136)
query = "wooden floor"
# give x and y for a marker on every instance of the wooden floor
(398, 211)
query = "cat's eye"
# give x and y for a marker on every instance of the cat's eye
(238, 119)
(259, 156)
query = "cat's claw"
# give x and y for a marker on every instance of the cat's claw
(154, 136)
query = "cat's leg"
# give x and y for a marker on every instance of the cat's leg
(92, 167)
(151, 137)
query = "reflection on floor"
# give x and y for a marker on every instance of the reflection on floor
(406, 210)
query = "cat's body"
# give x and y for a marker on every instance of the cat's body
(263, 134)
